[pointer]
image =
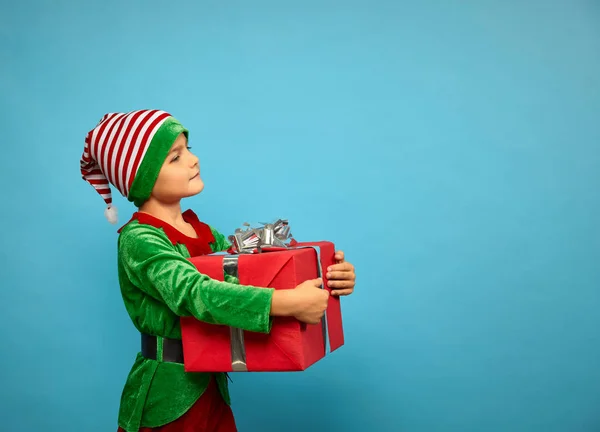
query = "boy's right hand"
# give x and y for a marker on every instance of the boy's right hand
(307, 302)
(311, 301)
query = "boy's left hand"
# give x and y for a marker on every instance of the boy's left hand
(341, 276)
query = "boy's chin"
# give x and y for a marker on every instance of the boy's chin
(195, 189)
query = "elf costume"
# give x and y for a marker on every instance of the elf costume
(159, 285)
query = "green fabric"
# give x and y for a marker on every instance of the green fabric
(158, 285)
(153, 160)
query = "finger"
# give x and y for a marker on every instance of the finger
(339, 256)
(341, 275)
(313, 282)
(341, 267)
(343, 292)
(340, 284)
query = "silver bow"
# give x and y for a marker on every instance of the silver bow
(249, 240)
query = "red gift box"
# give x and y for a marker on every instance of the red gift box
(291, 345)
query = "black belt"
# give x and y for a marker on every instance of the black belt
(172, 349)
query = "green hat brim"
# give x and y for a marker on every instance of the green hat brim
(153, 160)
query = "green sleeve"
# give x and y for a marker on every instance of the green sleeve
(154, 265)
(221, 243)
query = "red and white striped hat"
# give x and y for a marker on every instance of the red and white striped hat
(127, 150)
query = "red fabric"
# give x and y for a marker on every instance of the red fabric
(291, 345)
(209, 414)
(196, 246)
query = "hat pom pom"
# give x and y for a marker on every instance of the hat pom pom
(111, 214)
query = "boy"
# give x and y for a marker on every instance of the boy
(145, 155)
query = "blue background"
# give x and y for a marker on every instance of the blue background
(451, 149)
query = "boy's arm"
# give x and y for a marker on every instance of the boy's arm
(153, 264)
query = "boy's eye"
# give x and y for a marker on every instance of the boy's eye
(176, 157)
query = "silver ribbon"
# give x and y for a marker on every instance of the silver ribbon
(250, 240)
(255, 240)
(238, 352)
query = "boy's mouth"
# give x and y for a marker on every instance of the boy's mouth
(197, 174)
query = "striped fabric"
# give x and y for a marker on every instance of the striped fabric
(115, 148)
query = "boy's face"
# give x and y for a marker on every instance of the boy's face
(179, 176)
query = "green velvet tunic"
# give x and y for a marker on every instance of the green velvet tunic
(159, 285)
